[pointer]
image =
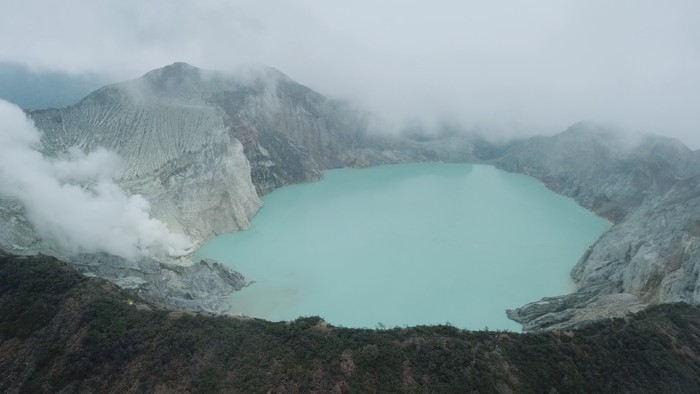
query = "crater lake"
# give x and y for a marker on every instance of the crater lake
(407, 244)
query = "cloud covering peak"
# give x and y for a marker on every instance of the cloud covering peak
(505, 67)
(73, 203)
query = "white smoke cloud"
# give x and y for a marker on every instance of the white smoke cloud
(73, 202)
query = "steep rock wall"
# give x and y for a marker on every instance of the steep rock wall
(650, 189)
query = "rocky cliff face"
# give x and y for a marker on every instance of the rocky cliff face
(648, 187)
(175, 149)
(201, 146)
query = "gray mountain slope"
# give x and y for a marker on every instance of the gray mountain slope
(650, 188)
(201, 146)
(605, 171)
(175, 149)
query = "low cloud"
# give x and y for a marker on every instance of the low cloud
(505, 67)
(73, 202)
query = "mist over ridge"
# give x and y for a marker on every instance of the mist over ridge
(503, 68)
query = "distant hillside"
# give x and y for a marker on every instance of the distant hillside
(63, 332)
(33, 89)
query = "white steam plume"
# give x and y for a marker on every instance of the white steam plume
(74, 202)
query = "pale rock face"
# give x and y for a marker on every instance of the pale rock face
(16, 234)
(175, 151)
(655, 253)
(204, 193)
(651, 190)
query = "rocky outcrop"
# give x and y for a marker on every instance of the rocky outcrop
(16, 234)
(203, 287)
(650, 189)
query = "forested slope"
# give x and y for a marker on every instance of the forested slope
(63, 332)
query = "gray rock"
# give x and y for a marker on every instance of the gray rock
(651, 190)
(605, 171)
(205, 286)
(176, 150)
(17, 234)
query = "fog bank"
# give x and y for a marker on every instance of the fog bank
(504, 67)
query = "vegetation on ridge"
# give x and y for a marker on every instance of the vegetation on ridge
(62, 332)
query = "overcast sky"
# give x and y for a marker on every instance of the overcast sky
(509, 67)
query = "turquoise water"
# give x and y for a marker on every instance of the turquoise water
(407, 244)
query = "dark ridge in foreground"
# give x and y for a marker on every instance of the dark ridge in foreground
(63, 332)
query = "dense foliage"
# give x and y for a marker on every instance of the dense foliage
(59, 331)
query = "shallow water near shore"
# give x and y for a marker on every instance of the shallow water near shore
(407, 244)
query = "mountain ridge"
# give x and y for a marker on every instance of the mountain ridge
(203, 146)
(651, 254)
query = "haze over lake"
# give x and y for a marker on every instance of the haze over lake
(407, 244)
